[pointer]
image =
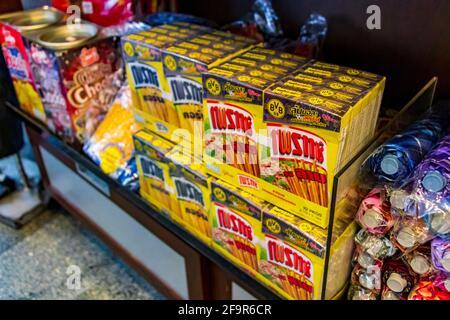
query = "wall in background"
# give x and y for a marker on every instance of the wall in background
(412, 46)
(30, 4)
(10, 6)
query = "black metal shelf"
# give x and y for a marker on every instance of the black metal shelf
(234, 271)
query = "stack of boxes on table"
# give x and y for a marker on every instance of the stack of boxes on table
(265, 132)
(240, 144)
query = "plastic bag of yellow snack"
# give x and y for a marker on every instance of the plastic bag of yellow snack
(111, 146)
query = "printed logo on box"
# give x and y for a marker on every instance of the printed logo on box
(188, 191)
(185, 91)
(231, 222)
(246, 181)
(229, 119)
(144, 76)
(294, 143)
(288, 257)
(151, 169)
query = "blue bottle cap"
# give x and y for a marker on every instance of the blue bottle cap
(434, 181)
(390, 164)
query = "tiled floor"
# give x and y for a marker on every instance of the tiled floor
(35, 259)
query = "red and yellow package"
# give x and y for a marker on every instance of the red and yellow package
(156, 185)
(15, 29)
(183, 64)
(233, 104)
(292, 256)
(236, 224)
(308, 132)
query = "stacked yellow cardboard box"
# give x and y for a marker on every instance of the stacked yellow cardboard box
(305, 133)
(277, 129)
(150, 90)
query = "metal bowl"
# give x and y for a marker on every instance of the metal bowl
(34, 19)
(67, 36)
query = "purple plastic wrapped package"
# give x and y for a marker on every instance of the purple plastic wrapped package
(440, 253)
(431, 189)
(432, 175)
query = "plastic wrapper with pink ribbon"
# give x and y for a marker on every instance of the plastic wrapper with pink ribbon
(374, 213)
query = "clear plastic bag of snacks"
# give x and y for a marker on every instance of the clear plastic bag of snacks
(111, 146)
(397, 277)
(419, 260)
(396, 159)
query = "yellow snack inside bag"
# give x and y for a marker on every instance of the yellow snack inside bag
(111, 146)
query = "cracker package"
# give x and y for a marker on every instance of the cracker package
(312, 125)
(142, 53)
(183, 64)
(292, 257)
(193, 192)
(111, 146)
(156, 186)
(233, 104)
(236, 224)
(367, 86)
(312, 132)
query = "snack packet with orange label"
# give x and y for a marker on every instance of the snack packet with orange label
(236, 220)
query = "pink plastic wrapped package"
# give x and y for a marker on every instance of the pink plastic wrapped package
(374, 213)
